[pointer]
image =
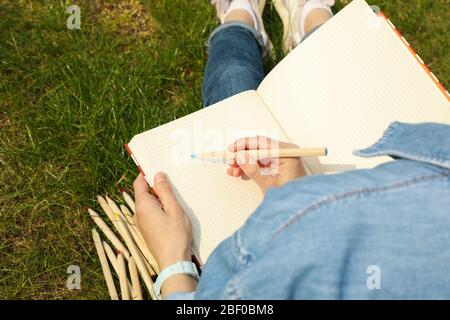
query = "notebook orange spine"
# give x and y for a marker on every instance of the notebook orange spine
(140, 168)
(416, 56)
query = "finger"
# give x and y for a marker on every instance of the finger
(234, 164)
(265, 162)
(237, 145)
(240, 144)
(263, 142)
(269, 143)
(140, 184)
(144, 200)
(251, 143)
(259, 142)
(248, 165)
(165, 194)
(236, 172)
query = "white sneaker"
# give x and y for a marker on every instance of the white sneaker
(258, 9)
(290, 12)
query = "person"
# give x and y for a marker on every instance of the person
(378, 233)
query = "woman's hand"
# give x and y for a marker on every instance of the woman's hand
(266, 173)
(166, 229)
(163, 224)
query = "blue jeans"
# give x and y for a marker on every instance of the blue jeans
(235, 61)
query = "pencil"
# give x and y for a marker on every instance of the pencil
(135, 233)
(105, 267)
(122, 277)
(127, 219)
(110, 209)
(261, 154)
(113, 260)
(130, 202)
(108, 233)
(137, 291)
(137, 257)
(109, 212)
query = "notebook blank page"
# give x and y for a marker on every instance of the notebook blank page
(217, 203)
(344, 84)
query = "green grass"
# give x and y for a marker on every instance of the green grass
(69, 99)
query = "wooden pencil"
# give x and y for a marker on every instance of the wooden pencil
(108, 233)
(136, 234)
(110, 255)
(130, 202)
(122, 277)
(113, 209)
(105, 266)
(150, 269)
(141, 242)
(112, 205)
(113, 261)
(136, 285)
(114, 214)
(137, 257)
(261, 154)
(107, 209)
(126, 212)
(130, 222)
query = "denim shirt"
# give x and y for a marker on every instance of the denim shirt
(380, 233)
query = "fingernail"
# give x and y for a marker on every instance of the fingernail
(160, 177)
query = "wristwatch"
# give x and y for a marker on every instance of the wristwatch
(180, 267)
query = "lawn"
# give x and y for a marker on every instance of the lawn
(69, 99)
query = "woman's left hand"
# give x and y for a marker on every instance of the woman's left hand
(164, 225)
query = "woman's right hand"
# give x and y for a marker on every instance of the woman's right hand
(265, 173)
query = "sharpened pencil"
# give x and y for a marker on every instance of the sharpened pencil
(130, 202)
(122, 277)
(113, 260)
(260, 154)
(104, 264)
(108, 233)
(137, 257)
(137, 291)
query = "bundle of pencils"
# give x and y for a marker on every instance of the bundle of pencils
(132, 251)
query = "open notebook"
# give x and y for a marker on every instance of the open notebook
(338, 89)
